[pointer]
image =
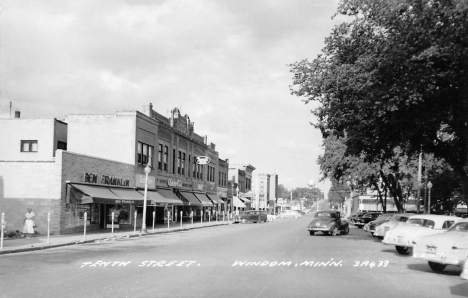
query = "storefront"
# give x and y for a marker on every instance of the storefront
(106, 206)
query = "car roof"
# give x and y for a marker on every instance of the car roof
(435, 217)
(328, 211)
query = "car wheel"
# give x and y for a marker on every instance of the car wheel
(254, 222)
(436, 266)
(380, 237)
(312, 233)
(345, 231)
(326, 233)
(335, 231)
(402, 250)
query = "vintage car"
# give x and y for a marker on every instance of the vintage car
(418, 226)
(355, 215)
(449, 248)
(366, 218)
(397, 219)
(370, 226)
(251, 215)
(290, 213)
(328, 222)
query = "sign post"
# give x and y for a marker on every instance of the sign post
(191, 217)
(154, 215)
(112, 224)
(1, 234)
(181, 219)
(85, 219)
(168, 218)
(134, 225)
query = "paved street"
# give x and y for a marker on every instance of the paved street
(250, 260)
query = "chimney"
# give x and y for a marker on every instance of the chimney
(17, 114)
(205, 140)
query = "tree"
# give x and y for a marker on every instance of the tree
(283, 192)
(338, 193)
(394, 76)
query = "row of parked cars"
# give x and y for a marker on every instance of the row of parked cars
(440, 240)
(263, 216)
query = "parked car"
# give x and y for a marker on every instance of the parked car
(328, 222)
(355, 215)
(251, 215)
(449, 248)
(290, 213)
(418, 226)
(368, 217)
(397, 219)
(370, 226)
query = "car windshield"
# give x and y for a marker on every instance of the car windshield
(421, 222)
(459, 227)
(383, 217)
(325, 214)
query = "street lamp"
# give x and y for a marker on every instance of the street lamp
(429, 186)
(143, 224)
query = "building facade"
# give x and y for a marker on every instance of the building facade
(102, 171)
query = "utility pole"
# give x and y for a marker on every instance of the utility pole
(418, 203)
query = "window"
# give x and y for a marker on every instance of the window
(183, 163)
(178, 163)
(166, 153)
(219, 178)
(198, 171)
(261, 186)
(160, 157)
(194, 167)
(62, 145)
(145, 153)
(448, 224)
(201, 172)
(29, 146)
(173, 161)
(189, 166)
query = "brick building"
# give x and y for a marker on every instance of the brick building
(102, 171)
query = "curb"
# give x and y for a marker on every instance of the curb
(48, 246)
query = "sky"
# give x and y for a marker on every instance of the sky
(223, 63)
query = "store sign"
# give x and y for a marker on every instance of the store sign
(174, 183)
(106, 179)
(141, 179)
(124, 202)
(203, 160)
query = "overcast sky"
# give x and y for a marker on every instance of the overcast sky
(223, 63)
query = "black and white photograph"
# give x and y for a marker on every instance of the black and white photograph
(234, 148)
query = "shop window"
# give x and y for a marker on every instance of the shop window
(28, 145)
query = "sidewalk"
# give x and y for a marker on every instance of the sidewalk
(41, 242)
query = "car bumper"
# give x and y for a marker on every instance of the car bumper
(403, 242)
(321, 229)
(440, 258)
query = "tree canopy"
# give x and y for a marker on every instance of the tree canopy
(394, 76)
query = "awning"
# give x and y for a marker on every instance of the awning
(204, 199)
(249, 194)
(245, 200)
(215, 199)
(86, 194)
(190, 197)
(161, 197)
(238, 203)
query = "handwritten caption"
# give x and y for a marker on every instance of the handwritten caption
(329, 263)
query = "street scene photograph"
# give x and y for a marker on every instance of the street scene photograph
(233, 148)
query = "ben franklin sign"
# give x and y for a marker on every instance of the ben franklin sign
(106, 179)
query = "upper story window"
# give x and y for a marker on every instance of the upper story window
(28, 145)
(165, 158)
(145, 153)
(160, 157)
(183, 163)
(261, 186)
(179, 163)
